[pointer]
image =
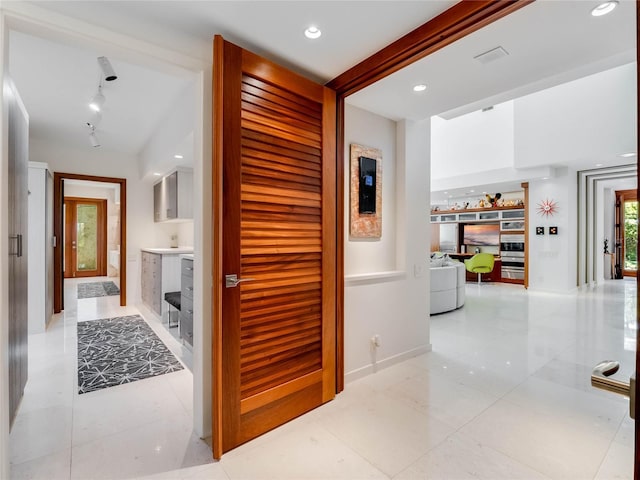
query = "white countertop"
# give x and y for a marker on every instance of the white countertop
(169, 251)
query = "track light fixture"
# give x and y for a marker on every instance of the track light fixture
(92, 135)
(107, 69)
(97, 101)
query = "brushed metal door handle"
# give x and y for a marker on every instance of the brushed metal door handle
(600, 379)
(231, 281)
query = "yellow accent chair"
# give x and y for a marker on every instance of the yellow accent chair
(480, 263)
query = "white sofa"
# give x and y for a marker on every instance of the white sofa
(447, 287)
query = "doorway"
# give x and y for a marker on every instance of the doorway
(627, 232)
(85, 239)
(66, 264)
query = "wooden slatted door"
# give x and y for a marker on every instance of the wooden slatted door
(275, 150)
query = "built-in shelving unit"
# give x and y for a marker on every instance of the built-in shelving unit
(508, 225)
(478, 214)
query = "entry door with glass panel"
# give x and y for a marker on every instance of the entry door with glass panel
(85, 244)
(627, 231)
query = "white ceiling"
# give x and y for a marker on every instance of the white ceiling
(56, 83)
(549, 41)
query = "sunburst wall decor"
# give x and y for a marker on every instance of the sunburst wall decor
(547, 207)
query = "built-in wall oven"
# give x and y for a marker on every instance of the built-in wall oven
(512, 255)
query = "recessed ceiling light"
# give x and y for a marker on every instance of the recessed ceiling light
(484, 193)
(599, 164)
(157, 174)
(471, 191)
(178, 156)
(545, 178)
(604, 8)
(628, 154)
(419, 88)
(312, 32)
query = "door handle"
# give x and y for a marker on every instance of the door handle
(18, 239)
(231, 281)
(600, 379)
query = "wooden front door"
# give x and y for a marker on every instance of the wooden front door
(274, 330)
(627, 232)
(85, 238)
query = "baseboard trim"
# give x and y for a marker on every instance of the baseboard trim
(385, 363)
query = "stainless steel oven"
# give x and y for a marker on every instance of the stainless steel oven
(512, 255)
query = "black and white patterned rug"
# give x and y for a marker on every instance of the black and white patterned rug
(119, 350)
(97, 289)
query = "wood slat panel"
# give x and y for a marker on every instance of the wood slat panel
(274, 292)
(279, 200)
(274, 347)
(284, 180)
(275, 112)
(279, 250)
(281, 392)
(302, 306)
(284, 352)
(278, 132)
(269, 193)
(261, 362)
(290, 273)
(260, 160)
(281, 125)
(286, 372)
(281, 146)
(295, 213)
(296, 322)
(281, 315)
(285, 260)
(280, 226)
(280, 96)
(279, 338)
(280, 242)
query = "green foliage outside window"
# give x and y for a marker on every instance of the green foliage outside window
(631, 235)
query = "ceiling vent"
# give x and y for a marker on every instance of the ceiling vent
(491, 56)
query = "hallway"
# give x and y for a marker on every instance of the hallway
(504, 394)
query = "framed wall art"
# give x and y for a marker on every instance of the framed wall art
(366, 192)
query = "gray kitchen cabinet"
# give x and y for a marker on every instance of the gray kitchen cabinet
(186, 301)
(160, 274)
(173, 196)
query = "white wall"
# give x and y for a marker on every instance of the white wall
(553, 258)
(141, 230)
(476, 142)
(173, 135)
(363, 255)
(382, 295)
(586, 118)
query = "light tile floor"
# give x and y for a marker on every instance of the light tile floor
(504, 394)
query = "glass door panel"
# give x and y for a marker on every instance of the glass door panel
(630, 236)
(87, 238)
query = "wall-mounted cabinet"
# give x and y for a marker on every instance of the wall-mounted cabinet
(173, 196)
